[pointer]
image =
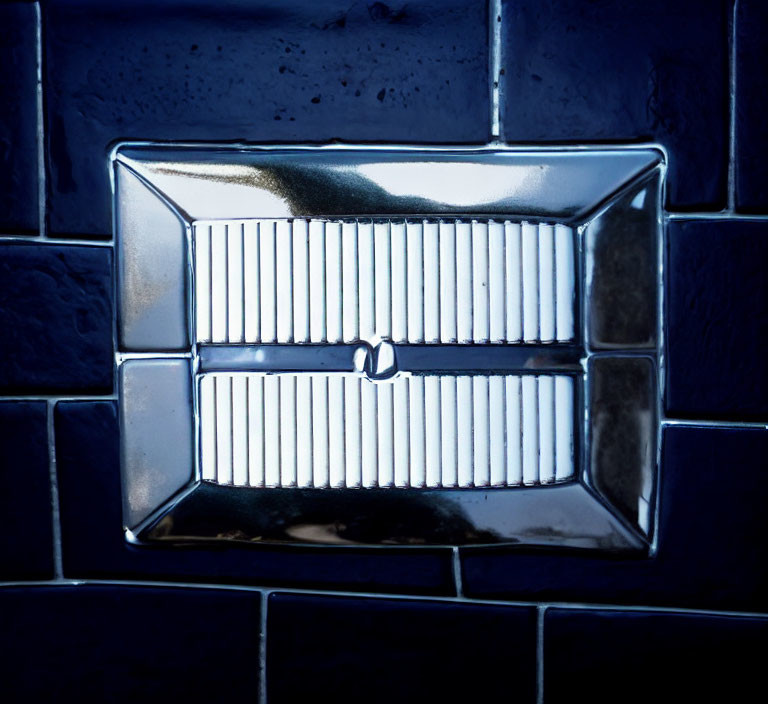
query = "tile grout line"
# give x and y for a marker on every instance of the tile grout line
(41, 183)
(731, 202)
(540, 611)
(474, 601)
(58, 569)
(262, 695)
(494, 39)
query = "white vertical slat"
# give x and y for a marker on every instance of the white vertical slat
(399, 265)
(256, 430)
(366, 280)
(480, 300)
(448, 440)
(530, 282)
(432, 431)
(239, 430)
(564, 416)
(272, 430)
(385, 439)
(480, 432)
(320, 476)
(383, 280)
(268, 290)
(352, 428)
(496, 288)
(463, 282)
(514, 430)
(417, 421)
(252, 283)
(513, 245)
(431, 273)
(530, 430)
(300, 281)
(415, 305)
(566, 281)
(317, 301)
(546, 283)
(235, 290)
(203, 283)
(288, 475)
(336, 420)
(223, 429)
(350, 307)
(368, 432)
(464, 430)
(333, 281)
(497, 420)
(447, 274)
(284, 282)
(219, 283)
(304, 469)
(207, 428)
(401, 431)
(546, 429)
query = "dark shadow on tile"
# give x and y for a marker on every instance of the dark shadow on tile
(383, 650)
(26, 543)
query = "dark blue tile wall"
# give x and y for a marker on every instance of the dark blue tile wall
(19, 200)
(377, 650)
(87, 456)
(688, 75)
(717, 313)
(267, 71)
(127, 644)
(55, 318)
(611, 656)
(751, 106)
(26, 540)
(614, 71)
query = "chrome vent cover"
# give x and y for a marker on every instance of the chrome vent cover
(388, 346)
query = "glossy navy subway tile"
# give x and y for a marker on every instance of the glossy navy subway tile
(751, 105)
(240, 70)
(93, 543)
(714, 490)
(26, 545)
(19, 203)
(608, 656)
(128, 644)
(611, 71)
(55, 318)
(717, 319)
(324, 649)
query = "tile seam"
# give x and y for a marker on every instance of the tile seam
(58, 569)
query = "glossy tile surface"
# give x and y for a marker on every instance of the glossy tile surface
(717, 319)
(19, 206)
(605, 656)
(55, 318)
(378, 650)
(128, 644)
(26, 545)
(258, 71)
(614, 71)
(712, 509)
(94, 543)
(751, 105)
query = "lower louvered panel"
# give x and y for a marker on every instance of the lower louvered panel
(342, 430)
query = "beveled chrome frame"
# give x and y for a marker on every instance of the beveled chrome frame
(162, 190)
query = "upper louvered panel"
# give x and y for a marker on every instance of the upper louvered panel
(342, 430)
(449, 282)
